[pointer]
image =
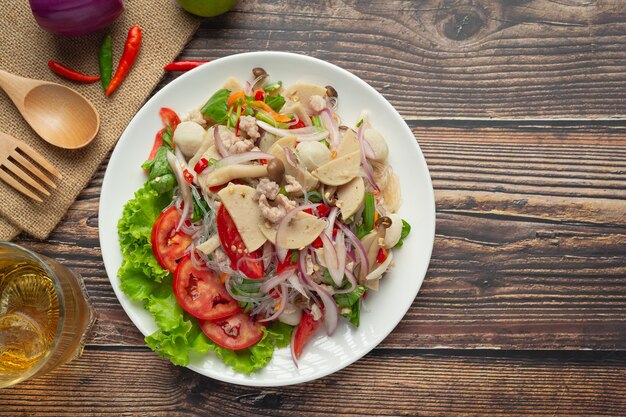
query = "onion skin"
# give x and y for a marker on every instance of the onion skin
(75, 17)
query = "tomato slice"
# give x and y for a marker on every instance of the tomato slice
(286, 263)
(169, 117)
(168, 245)
(200, 292)
(304, 332)
(233, 245)
(236, 332)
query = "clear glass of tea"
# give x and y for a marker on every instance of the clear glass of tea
(45, 314)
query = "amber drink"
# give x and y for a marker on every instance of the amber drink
(45, 314)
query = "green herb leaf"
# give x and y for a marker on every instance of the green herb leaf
(406, 229)
(198, 214)
(368, 212)
(351, 301)
(216, 107)
(167, 137)
(273, 87)
(275, 102)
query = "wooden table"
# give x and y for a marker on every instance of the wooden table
(519, 108)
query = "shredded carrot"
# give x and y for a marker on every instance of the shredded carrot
(223, 277)
(375, 216)
(235, 96)
(333, 154)
(277, 306)
(277, 116)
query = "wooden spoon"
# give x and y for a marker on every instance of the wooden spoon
(57, 113)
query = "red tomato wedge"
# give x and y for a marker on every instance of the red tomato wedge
(201, 293)
(233, 245)
(236, 332)
(158, 142)
(168, 246)
(169, 118)
(304, 332)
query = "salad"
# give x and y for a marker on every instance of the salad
(263, 220)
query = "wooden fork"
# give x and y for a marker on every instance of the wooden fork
(18, 171)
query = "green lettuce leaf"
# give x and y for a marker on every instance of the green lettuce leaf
(350, 304)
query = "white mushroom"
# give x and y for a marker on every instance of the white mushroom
(188, 137)
(231, 172)
(313, 154)
(340, 170)
(350, 197)
(245, 212)
(393, 232)
(378, 144)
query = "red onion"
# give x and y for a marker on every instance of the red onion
(184, 188)
(274, 281)
(75, 17)
(366, 165)
(282, 226)
(281, 308)
(267, 254)
(328, 121)
(281, 253)
(351, 280)
(250, 85)
(360, 250)
(297, 285)
(292, 345)
(306, 280)
(332, 261)
(303, 134)
(218, 142)
(331, 222)
(242, 157)
(340, 248)
(331, 313)
(290, 156)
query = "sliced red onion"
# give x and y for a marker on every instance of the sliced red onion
(183, 186)
(292, 345)
(332, 261)
(369, 151)
(331, 221)
(218, 142)
(332, 103)
(238, 158)
(297, 285)
(331, 312)
(358, 246)
(278, 279)
(281, 308)
(250, 85)
(369, 173)
(351, 280)
(340, 248)
(267, 254)
(290, 156)
(303, 134)
(328, 121)
(281, 253)
(304, 277)
(282, 226)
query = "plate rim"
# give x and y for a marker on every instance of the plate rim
(431, 220)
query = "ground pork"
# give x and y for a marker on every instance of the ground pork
(266, 187)
(247, 125)
(317, 103)
(272, 214)
(285, 203)
(293, 186)
(195, 116)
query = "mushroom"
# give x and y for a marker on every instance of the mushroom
(188, 137)
(231, 172)
(275, 170)
(340, 170)
(208, 154)
(378, 144)
(313, 154)
(394, 231)
(350, 197)
(303, 92)
(245, 212)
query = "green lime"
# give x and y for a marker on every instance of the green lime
(207, 8)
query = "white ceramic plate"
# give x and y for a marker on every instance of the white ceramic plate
(382, 310)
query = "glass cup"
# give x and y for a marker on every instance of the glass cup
(45, 314)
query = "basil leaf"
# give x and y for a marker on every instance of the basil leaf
(216, 107)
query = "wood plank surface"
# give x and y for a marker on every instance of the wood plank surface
(132, 382)
(518, 263)
(449, 59)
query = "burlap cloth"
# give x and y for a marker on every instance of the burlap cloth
(25, 50)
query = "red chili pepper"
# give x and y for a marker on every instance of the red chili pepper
(185, 65)
(381, 255)
(188, 176)
(71, 74)
(131, 49)
(169, 117)
(237, 127)
(297, 125)
(263, 161)
(259, 95)
(158, 142)
(322, 210)
(201, 165)
(317, 243)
